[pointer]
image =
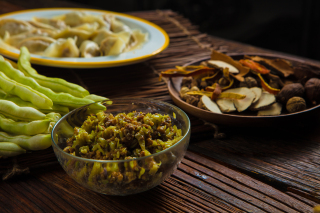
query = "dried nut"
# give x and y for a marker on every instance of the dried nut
(203, 84)
(191, 99)
(289, 91)
(186, 81)
(223, 82)
(251, 82)
(312, 88)
(183, 91)
(296, 104)
(194, 83)
(194, 88)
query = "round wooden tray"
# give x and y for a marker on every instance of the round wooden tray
(247, 118)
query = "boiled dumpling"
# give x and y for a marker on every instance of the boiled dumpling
(16, 39)
(89, 27)
(137, 39)
(100, 35)
(14, 27)
(48, 23)
(89, 49)
(36, 44)
(62, 48)
(81, 35)
(118, 26)
(112, 46)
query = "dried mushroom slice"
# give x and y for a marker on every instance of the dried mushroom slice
(257, 91)
(210, 105)
(242, 104)
(222, 64)
(226, 105)
(274, 109)
(264, 101)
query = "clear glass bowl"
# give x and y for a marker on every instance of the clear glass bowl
(121, 177)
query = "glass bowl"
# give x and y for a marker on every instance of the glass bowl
(121, 177)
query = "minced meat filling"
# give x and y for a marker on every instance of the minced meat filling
(104, 136)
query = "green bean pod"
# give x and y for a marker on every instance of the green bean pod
(55, 84)
(25, 92)
(64, 99)
(25, 128)
(15, 99)
(36, 142)
(8, 149)
(11, 110)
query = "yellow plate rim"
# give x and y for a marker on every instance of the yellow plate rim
(100, 64)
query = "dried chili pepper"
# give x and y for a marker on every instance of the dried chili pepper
(254, 66)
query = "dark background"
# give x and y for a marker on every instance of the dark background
(290, 26)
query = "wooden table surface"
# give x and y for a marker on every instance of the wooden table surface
(271, 169)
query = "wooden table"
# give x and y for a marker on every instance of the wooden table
(251, 170)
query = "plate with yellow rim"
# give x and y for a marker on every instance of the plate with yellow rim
(158, 40)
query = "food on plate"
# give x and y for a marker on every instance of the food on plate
(249, 85)
(74, 34)
(31, 104)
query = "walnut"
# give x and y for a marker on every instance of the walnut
(296, 104)
(289, 91)
(312, 88)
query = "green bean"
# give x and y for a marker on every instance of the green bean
(11, 110)
(56, 84)
(36, 142)
(8, 149)
(54, 116)
(25, 92)
(25, 128)
(15, 99)
(64, 99)
(95, 97)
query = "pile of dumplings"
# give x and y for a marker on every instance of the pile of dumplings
(74, 34)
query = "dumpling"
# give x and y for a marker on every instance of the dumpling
(118, 26)
(137, 39)
(81, 35)
(14, 27)
(89, 27)
(112, 46)
(16, 39)
(62, 48)
(36, 44)
(100, 35)
(48, 23)
(89, 49)
(77, 18)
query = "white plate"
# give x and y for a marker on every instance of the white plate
(158, 40)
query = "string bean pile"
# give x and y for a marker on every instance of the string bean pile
(30, 105)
